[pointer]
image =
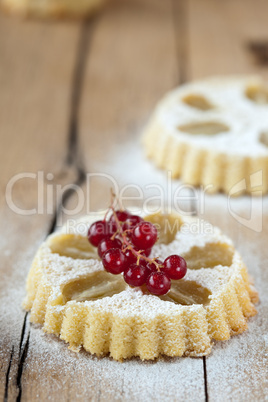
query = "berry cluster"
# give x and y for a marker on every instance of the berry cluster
(124, 244)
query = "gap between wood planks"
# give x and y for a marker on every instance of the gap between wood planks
(74, 160)
(194, 213)
(181, 28)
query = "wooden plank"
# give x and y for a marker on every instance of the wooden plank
(35, 92)
(133, 63)
(231, 42)
(125, 76)
(17, 251)
(134, 60)
(122, 84)
(219, 35)
(237, 369)
(35, 76)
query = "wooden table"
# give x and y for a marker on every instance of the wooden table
(74, 97)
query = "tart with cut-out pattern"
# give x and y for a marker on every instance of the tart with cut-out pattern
(71, 295)
(213, 133)
(53, 8)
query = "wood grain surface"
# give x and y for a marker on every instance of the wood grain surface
(73, 101)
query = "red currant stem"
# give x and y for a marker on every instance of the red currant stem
(113, 197)
(105, 216)
(115, 201)
(125, 241)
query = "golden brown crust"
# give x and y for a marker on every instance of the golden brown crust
(222, 148)
(131, 323)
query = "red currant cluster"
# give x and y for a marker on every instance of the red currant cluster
(124, 244)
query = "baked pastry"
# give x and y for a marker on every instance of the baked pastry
(213, 133)
(53, 8)
(71, 295)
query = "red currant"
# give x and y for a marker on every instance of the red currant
(131, 222)
(147, 252)
(122, 216)
(106, 244)
(131, 258)
(158, 283)
(144, 235)
(143, 262)
(152, 267)
(114, 261)
(137, 241)
(135, 275)
(175, 267)
(98, 231)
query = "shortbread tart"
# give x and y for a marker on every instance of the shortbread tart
(71, 295)
(213, 133)
(53, 8)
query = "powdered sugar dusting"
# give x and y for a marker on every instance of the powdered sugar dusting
(244, 118)
(236, 369)
(60, 270)
(132, 380)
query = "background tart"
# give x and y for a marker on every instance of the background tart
(53, 8)
(213, 133)
(71, 295)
